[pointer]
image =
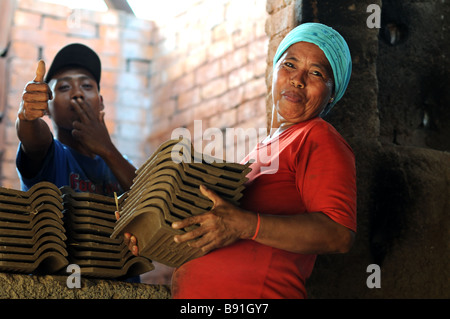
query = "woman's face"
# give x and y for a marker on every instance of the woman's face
(302, 83)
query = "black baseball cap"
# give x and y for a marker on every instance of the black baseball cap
(76, 55)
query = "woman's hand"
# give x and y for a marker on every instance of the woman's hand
(224, 224)
(129, 239)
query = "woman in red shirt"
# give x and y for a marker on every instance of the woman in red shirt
(302, 206)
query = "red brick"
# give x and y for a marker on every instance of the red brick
(109, 32)
(220, 32)
(13, 103)
(195, 58)
(214, 88)
(133, 81)
(208, 72)
(159, 127)
(240, 76)
(11, 139)
(27, 19)
(109, 78)
(273, 44)
(108, 47)
(156, 81)
(163, 94)
(244, 35)
(208, 78)
(111, 126)
(208, 108)
(84, 29)
(255, 88)
(274, 5)
(41, 7)
(223, 119)
(9, 154)
(231, 98)
(9, 175)
(182, 119)
(138, 66)
(183, 84)
(260, 67)
(220, 48)
(251, 109)
(24, 50)
(110, 62)
(162, 111)
(109, 95)
(258, 48)
(55, 25)
(21, 72)
(281, 20)
(235, 59)
(144, 35)
(134, 50)
(42, 38)
(175, 71)
(188, 99)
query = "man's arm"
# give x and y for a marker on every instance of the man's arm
(93, 125)
(32, 130)
(123, 170)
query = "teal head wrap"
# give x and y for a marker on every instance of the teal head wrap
(332, 44)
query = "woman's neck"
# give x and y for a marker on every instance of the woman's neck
(278, 124)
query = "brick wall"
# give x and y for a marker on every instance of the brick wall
(281, 19)
(124, 45)
(208, 69)
(208, 63)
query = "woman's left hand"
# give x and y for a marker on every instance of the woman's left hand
(224, 224)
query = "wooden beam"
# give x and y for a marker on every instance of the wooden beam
(119, 5)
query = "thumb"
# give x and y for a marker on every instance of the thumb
(216, 199)
(40, 72)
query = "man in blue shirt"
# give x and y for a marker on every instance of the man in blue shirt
(81, 154)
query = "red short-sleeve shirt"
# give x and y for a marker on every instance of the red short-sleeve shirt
(308, 168)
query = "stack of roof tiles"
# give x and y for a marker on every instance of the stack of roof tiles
(32, 235)
(90, 220)
(166, 189)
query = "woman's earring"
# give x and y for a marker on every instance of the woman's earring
(331, 100)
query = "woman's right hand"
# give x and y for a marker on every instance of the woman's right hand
(129, 239)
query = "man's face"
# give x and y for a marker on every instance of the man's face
(67, 86)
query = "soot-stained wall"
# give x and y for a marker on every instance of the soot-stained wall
(396, 117)
(413, 72)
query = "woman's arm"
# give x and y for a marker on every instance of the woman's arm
(309, 233)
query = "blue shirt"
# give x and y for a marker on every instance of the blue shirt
(63, 166)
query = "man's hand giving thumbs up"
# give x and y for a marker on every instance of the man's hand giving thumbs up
(35, 96)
